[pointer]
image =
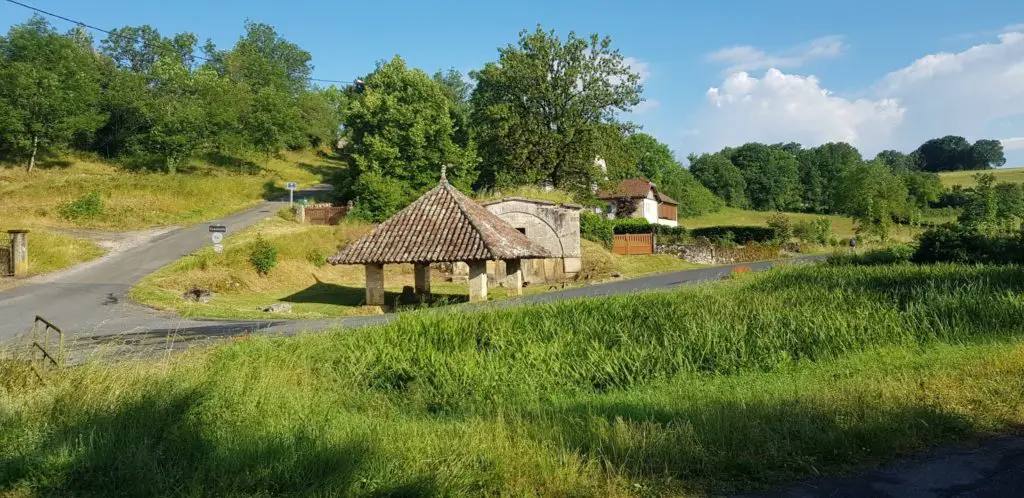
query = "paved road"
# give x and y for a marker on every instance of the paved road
(994, 468)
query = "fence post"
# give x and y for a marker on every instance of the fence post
(19, 252)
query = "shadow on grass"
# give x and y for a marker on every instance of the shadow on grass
(343, 295)
(717, 446)
(169, 442)
(274, 192)
(232, 163)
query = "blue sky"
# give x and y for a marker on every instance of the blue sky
(878, 74)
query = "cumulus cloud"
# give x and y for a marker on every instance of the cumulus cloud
(645, 106)
(643, 69)
(962, 93)
(741, 58)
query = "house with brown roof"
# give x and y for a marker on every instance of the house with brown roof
(442, 226)
(651, 204)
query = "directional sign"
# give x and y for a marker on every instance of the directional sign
(218, 248)
(217, 237)
(218, 228)
(291, 185)
(291, 193)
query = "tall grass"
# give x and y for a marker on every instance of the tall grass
(700, 390)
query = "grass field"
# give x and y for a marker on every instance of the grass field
(135, 201)
(966, 178)
(325, 291)
(842, 226)
(50, 251)
(702, 390)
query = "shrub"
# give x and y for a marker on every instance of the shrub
(817, 231)
(378, 197)
(897, 254)
(595, 228)
(782, 227)
(632, 225)
(736, 234)
(953, 243)
(316, 258)
(263, 256)
(87, 206)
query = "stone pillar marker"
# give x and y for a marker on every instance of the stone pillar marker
(300, 213)
(19, 252)
(477, 281)
(421, 271)
(374, 285)
(514, 277)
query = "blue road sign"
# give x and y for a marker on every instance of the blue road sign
(291, 185)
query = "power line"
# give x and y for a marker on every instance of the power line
(111, 33)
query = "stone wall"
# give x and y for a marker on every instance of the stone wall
(704, 252)
(556, 227)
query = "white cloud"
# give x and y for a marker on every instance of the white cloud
(963, 93)
(643, 69)
(1014, 143)
(748, 58)
(646, 105)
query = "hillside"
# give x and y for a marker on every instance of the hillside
(966, 178)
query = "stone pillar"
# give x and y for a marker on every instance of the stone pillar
(514, 277)
(374, 285)
(477, 281)
(300, 213)
(422, 275)
(19, 252)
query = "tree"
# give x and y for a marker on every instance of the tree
(923, 188)
(949, 153)
(987, 154)
(653, 160)
(400, 127)
(50, 90)
(537, 110)
(897, 161)
(771, 174)
(458, 91)
(820, 170)
(873, 196)
(721, 177)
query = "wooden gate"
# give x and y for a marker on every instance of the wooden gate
(6, 256)
(633, 244)
(329, 215)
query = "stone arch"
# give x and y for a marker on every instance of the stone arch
(537, 221)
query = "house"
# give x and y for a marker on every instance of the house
(651, 204)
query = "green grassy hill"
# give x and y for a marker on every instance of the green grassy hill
(966, 178)
(702, 390)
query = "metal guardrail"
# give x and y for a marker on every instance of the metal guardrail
(44, 345)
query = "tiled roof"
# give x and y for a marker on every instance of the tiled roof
(635, 188)
(443, 225)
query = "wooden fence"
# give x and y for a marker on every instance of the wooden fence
(633, 244)
(330, 215)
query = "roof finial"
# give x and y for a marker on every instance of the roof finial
(444, 170)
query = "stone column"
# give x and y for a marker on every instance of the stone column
(19, 252)
(374, 285)
(514, 277)
(477, 281)
(421, 271)
(300, 213)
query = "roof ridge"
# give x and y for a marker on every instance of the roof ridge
(472, 220)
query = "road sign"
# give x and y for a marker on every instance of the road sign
(291, 193)
(291, 185)
(218, 248)
(217, 237)
(218, 228)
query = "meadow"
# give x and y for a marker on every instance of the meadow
(717, 388)
(966, 178)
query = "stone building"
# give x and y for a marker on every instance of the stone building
(442, 226)
(555, 227)
(651, 203)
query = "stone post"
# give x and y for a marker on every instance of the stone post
(374, 285)
(477, 281)
(300, 213)
(19, 252)
(421, 271)
(514, 277)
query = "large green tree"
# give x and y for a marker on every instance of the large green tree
(49, 93)
(721, 177)
(987, 154)
(820, 170)
(399, 126)
(771, 174)
(537, 110)
(873, 196)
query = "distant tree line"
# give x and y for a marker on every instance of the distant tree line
(145, 98)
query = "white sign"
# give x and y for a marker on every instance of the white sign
(218, 248)
(291, 193)
(217, 237)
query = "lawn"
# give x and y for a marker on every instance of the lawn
(711, 389)
(966, 178)
(50, 251)
(133, 201)
(842, 226)
(318, 290)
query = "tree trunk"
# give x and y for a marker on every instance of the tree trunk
(35, 149)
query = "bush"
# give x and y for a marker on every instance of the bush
(897, 254)
(316, 258)
(378, 197)
(631, 225)
(263, 256)
(595, 228)
(782, 227)
(736, 234)
(953, 243)
(816, 231)
(87, 206)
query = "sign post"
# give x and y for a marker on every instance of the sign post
(217, 236)
(291, 193)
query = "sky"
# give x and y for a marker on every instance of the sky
(878, 74)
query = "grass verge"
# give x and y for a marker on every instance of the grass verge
(711, 389)
(52, 251)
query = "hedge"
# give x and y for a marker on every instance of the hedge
(737, 234)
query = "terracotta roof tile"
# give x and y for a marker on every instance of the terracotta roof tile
(635, 188)
(443, 225)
